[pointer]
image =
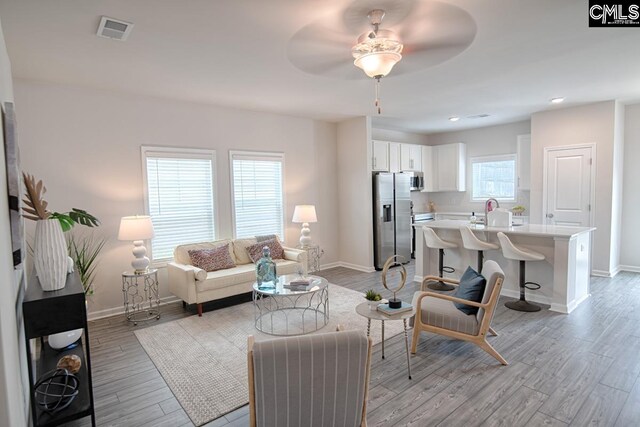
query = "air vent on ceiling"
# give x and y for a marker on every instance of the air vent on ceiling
(478, 116)
(114, 29)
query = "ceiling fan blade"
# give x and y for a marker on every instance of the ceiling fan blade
(321, 50)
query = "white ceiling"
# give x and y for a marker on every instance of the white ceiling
(234, 52)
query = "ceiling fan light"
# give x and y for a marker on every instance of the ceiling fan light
(377, 64)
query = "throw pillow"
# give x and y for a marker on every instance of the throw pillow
(255, 251)
(212, 259)
(471, 287)
(266, 237)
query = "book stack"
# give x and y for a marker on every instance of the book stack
(384, 309)
(298, 284)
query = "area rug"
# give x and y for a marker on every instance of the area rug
(204, 359)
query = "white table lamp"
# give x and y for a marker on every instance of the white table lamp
(305, 214)
(137, 229)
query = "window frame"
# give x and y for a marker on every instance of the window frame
(496, 158)
(178, 152)
(257, 155)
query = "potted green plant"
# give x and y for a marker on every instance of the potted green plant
(84, 250)
(373, 299)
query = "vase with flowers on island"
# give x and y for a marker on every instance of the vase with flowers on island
(50, 253)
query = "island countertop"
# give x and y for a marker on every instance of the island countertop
(538, 230)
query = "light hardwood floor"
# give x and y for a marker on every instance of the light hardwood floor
(580, 369)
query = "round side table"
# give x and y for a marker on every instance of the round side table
(363, 310)
(141, 296)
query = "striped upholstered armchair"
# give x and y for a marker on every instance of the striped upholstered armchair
(316, 380)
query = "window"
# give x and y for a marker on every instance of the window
(180, 197)
(258, 203)
(494, 176)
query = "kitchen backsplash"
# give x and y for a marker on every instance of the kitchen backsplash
(459, 202)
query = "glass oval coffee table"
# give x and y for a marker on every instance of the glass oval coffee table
(285, 310)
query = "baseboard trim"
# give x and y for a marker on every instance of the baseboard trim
(108, 312)
(357, 267)
(603, 273)
(629, 268)
(330, 265)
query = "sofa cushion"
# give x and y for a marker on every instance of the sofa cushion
(181, 253)
(212, 259)
(240, 250)
(255, 251)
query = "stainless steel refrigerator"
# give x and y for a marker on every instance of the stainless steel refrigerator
(392, 217)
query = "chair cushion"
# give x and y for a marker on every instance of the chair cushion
(245, 273)
(181, 253)
(255, 251)
(212, 259)
(443, 314)
(471, 288)
(492, 271)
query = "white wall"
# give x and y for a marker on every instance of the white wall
(630, 239)
(617, 187)
(399, 136)
(85, 145)
(486, 141)
(12, 407)
(355, 193)
(592, 123)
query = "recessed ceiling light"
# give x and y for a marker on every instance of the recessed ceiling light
(557, 100)
(454, 119)
(479, 116)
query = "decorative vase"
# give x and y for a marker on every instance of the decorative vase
(373, 305)
(64, 339)
(266, 271)
(50, 255)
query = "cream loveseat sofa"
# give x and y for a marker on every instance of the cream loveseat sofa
(195, 286)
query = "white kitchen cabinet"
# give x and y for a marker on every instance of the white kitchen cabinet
(524, 162)
(380, 156)
(427, 169)
(394, 157)
(448, 166)
(411, 157)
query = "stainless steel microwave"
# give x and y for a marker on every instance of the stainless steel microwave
(416, 180)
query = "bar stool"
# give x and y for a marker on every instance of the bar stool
(471, 242)
(511, 251)
(432, 241)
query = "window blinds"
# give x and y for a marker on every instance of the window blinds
(180, 197)
(494, 177)
(258, 195)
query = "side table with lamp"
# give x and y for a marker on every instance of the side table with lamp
(305, 214)
(140, 286)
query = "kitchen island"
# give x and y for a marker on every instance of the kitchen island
(564, 275)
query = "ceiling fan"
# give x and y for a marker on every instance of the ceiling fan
(412, 34)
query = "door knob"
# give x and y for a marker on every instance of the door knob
(549, 215)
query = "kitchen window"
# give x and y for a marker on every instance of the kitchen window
(180, 197)
(257, 181)
(494, 176)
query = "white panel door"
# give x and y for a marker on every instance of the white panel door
(568, 191)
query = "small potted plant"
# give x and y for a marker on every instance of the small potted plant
(518, 210)
(373, 298)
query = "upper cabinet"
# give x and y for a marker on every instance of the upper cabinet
(524, 162)
(411, 158)
(448, 167)
(394, 157)
(380, 151)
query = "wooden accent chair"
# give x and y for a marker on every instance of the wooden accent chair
(315, 380)
(436, 312)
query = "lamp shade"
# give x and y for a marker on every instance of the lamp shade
(137, 227)
(376, 64)
(305, 213)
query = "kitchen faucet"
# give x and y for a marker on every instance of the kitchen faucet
(488, 207)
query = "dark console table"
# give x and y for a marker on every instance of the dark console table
(47, 313)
